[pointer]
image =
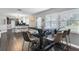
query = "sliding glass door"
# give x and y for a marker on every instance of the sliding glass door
(39, 22)
(51, 22)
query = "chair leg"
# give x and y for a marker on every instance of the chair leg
(69, 42)
(28, 46)
(23, 46)
(66, 47)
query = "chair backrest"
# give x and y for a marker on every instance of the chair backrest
(26, 36)
(68, 32)
(64, 33)
(55, 31)
(58, 37)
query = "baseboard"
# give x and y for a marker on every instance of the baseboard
(72, 45)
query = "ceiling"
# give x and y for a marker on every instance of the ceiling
(23, 11)
(52, 10)
(30, 11)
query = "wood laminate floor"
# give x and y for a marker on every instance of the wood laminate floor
(11, 41)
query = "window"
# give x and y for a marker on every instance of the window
(47, 22)
(51, 22)
(39, 22)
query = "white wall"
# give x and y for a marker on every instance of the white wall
(3, 23)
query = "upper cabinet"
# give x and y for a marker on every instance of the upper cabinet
(32, 21)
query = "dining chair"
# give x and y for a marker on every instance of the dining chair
(56, 43)
(68, 35)
(27, 38)
(65, 33)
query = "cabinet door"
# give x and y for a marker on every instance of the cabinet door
(32, 21)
